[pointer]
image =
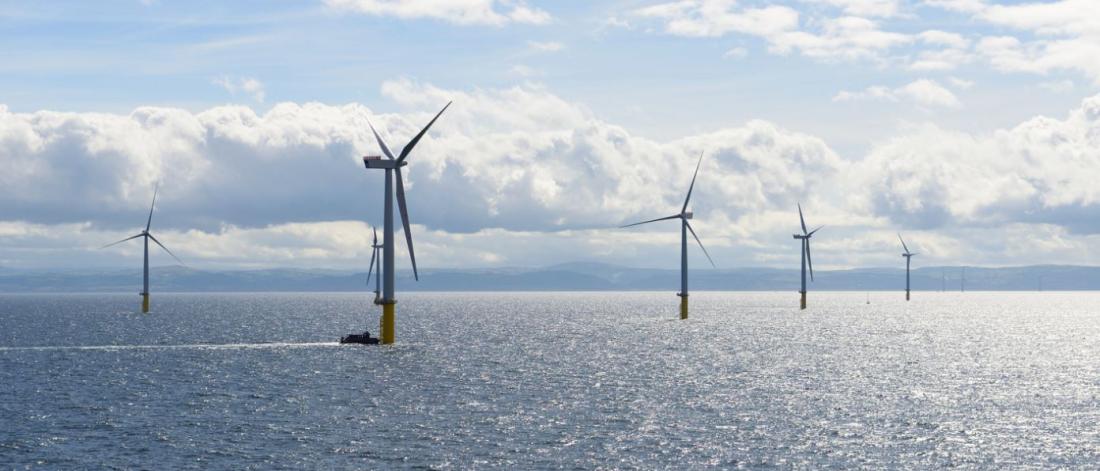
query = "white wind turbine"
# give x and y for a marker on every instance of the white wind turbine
(147, 236)
(684, 215)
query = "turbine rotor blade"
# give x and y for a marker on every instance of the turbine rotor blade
(815, 230)
(692, 187)
(674, 216)
(409, 147)
(373, 253)
(700, 243)
(802, 219)
(149, 222)
(809, 259)
(166, 249)
(903, 243)
(405, 220)
(121, 241)
(381, 143)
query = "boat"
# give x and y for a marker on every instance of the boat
(364, 339)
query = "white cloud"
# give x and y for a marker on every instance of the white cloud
(520, 167)
(947, 51)
(940, 60)
(922, 92)
(614, 22)
(1056, 18)
(929, 93)
(832, 39)
(713, 18)
(547, 46)
(1041, 171)
(463, 12)
(944, 38)
(845, 38)
(1065, 35)
(246, 85)
(736, 53)
(875, 92)
(1009, 54)
(866, 8)
(518, 160)
(968, 6)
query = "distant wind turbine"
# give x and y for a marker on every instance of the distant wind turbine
(908, 258)
(375, 260)
(393, 165)
(806, 258)
(147, 235)
(685, 226)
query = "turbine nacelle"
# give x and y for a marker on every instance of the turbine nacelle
(373, 161)
(686, 215)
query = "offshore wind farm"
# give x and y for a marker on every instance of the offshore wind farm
(528, 329)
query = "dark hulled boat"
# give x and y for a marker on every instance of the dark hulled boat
(363, 338)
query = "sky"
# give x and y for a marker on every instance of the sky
(971, 127)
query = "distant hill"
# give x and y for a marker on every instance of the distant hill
(578, 276)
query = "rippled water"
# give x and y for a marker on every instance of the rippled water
(552, 380)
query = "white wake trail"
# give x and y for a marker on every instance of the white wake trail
(199, 346)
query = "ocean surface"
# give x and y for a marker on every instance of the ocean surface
(551, 380)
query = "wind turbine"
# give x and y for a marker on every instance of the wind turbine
(391, 165)
(908, 258)
(147, 235)
(806, 258)
(375, 260)
(685, 226)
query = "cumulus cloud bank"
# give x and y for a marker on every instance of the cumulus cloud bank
(509, 169)
(1042, 170)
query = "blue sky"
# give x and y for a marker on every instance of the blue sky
(969, 125)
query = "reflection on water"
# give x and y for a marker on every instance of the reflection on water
(528, 380)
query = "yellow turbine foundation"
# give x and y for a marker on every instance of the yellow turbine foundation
(683, 306)
(803, 299)
(145, 303)
(387, 323)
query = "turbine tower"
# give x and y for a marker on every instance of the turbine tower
(806, 258)
(391, 165)
(908, 258)
(685, 226)
(147, 235)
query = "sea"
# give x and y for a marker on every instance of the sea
(976, 380)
